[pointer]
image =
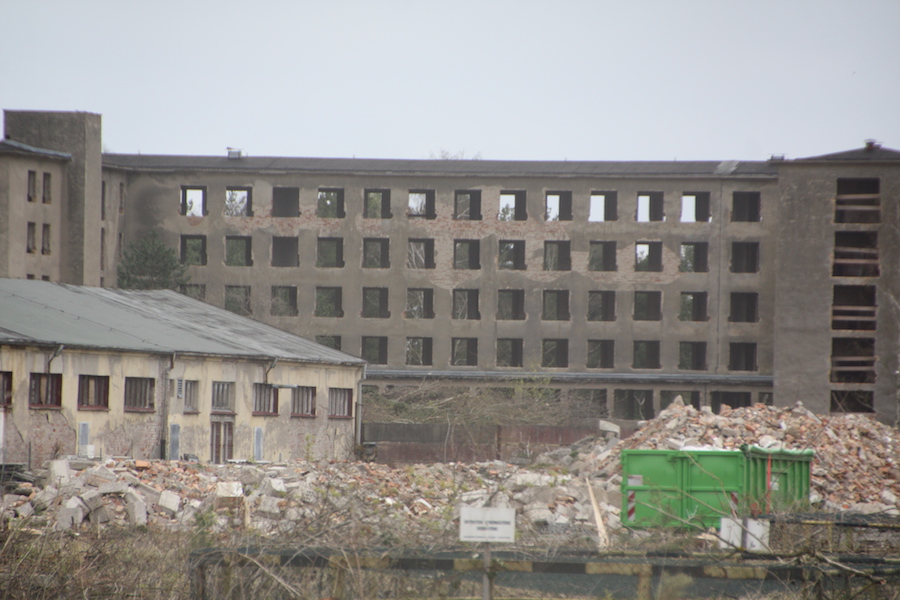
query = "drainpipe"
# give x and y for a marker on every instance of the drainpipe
(269, 368)
(56, 353)
(164, 408)
(359, 407)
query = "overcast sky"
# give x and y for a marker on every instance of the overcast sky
(577, 80)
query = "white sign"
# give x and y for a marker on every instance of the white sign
(487, 524)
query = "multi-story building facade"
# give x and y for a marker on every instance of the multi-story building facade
(623, 284)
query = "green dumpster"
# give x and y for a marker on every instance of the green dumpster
(777, 480)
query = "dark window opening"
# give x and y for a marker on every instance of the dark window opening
(46, 247)
(466, 254)
(646, 354)
(329, 341)
(730, 399)
(238, 202)
(742, 356)
(693, 306)
(419, 303)
(285, 202)
(285, 252)
(509, 352)
(694, 257)
(93, 391)
(45, 389)
(852, 401)
(590, 402)
(238, 251)
(649, 207)
(330, 253)
(102, 200)
(692, 356)
(648, 256)
(376, 253)
(557, 256)
(602, 256)
(633, 405)
(511, 255)
(856, 254)
(284, 301)
(512, 207)
(853, 360)
(744, 307)
(140, 393)
(377, 204)
(648, 306)
(197, 291)
(374, 349)
(237, 299)
(330, 203)
(555, 353)
(745, 207)
(193, 250)
(420, 254)
(329, 302)
(421, 204)
(467, 205)
(601, 306)
(31, 238)
(375, 303)
(745, 257)
(695, 207)
(853, 307)
(857, 201)
(464, 352)
(558, 206)
(465, 304)
(418, 351)
(604, 207)
(601, 354)
(556, 305)
(32, 186)
(6, 388)
(510, 305)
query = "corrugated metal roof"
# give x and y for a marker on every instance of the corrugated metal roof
(145, 321)
(493, 168)
(8, 146)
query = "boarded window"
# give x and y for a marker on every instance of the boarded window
(466, 254)
(465, 304)
(329, 302)
(330, 203)
(238, 202)
(376, 253)
(602, 256)
(510, 305)
(556, 305)
(374, 349)
(646, 354)
(509, 352)
(193, 201)
(512, 207)
(237, 299)
(340, 402)
(45, 390)
(601, 306)
(285, 252)
(467, 205)
(193, 250)
(418, 351)
(330, 253)
(692, 356)
(601, 354)
(223, 397)
(265, 399)
(284, 301)
(464, 352)
(555, 353)
(303, 401)
(511, 254)
(420, 254)
(377, 204)
(285, 202)
(238, 251)
(93, 391)
(419, 303)
(140, 393)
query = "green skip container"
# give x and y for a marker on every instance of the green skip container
(696, 488)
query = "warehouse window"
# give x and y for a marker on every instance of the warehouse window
(692, 356)
(745, 257)
(557, 256)
(238, 251)
(509, 352)
(852, 401)
(693, 306)
(511, 255)
(238, 202)
(285, 252)
(745, 207)
(719, 399)
(466, 254)
(284, 301)
(377, 204)
(93, 391)
(601, 354)
(45, 390)
(744, 307)
(193, 201)
(375, 303)
(853, 307)
(648, 256)
(510, 305)
(340, 402)
(603, 207)
(666, 397)
(265, 399)
(421, 204)
(633, 404)
(602, 256)
(853, 360)
(558, 206)
(694, 257)
(419, 303)
(649, 207)
(857, 201)
(140, 393)
(695, 207)
(418, 351)
(329, 302)
(646, 354)
(330, 203)
(601, 306)
(556, 305)
(856, 254)
(555, 353)
(193, 250)
(188, 390)
(376, 253)
(420, 254)
(512, 207)
(285, 202)
(742, 356)
(303, 401)
(330, 253)
(648, 306)
(467, 205)
(465, 304)
(464, 352)
(374, 349)
(46, 237)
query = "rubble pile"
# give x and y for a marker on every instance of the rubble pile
(856, 465)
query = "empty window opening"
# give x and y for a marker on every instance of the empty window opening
(102, 245)
(557, 256)
(649, 207)
(265, 399)
(329, 302)
(695, 207)
(376, 253)
(419, 303)
(285, 202)
(692, 356)
(285, 252)
(646, 354)
(340, 402)
(45, 389)
(857, 201)
(853, 360)
(31, 238)
(467, 205)
(46, 239)
(693, 306)
(237, 299)
(509, 352)
(690, 398)
(510, 305)
(303, 401)
(238, 202)
(93, 392)
(558, 206)
(604, 207)
(197, 291)
(694, 257)
(140, 393)
(193, 201)
(193, 250)
(744, 307)
(742, 356)
(238, 251)
(648, 306)
(852, 401)
(374, 349)
(556, 305)
(121, 198)
(32, 186)
(47, 189)
(330, 253)
(856, 254)
(465, 304)
(601, 306)
(745, 257)
(418, 351)
(284, 301)
(378, 204)
(329, 341)
(853, 307)
(633, 405)
(745, 207)
(330, 203)
(466, 254)
(511, 255)
(719, 399)
(589, 403)
(464, 352)
(648, 256)
(102, 200)
(601, 354)
(421, 204)
(555, 353)
(512, 207)
(222, 397)
(602, 256)
(375, 303)
(420, 254)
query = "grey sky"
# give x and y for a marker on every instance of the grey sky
(588, 80)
